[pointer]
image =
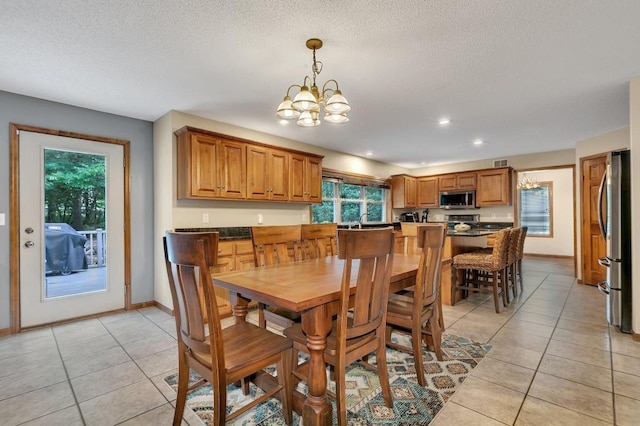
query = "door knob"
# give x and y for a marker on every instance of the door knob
(29, 230)
(29, 244)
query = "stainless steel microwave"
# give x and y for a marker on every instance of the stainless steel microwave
(457, 200)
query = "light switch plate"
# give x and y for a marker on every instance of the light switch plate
(1, 219)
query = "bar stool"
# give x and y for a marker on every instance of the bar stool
(493, 265)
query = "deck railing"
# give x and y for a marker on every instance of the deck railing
(95, 249)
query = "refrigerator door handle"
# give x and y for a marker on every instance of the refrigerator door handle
(603, 287)
(601, 222)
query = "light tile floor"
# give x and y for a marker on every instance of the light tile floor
(554, 361)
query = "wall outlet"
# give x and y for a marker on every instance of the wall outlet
(260, 219)
(205, 217)
(1, 219)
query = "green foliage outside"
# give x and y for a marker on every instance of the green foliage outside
(322, 213)
(75, 189)
(352, 203)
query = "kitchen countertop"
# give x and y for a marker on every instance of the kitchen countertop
(470, 233)
(226, 234)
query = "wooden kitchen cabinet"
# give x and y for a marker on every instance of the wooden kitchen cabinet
(267, 174)
(234, 255)
(215, 166)
(457, 181)
(403, 191)
(210, 166)
(305, 179)
(494, 187)
(428, 196)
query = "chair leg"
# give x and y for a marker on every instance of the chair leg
(514, 279)
(341, 394)
(219, 404)
(504, 283)
(262, 322)
(520, 274)
(496, 300)
(285, 380)
(416, 341)
(436, 335)
(183, 385)
(454, 283)
(383, 373)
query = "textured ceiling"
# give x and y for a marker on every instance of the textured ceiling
(525, 76)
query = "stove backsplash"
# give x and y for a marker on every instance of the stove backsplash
(500, 214)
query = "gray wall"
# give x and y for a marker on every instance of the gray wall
(37, 112)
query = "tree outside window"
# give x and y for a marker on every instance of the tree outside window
(536, 210)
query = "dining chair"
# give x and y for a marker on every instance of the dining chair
(410, 237)
(481, 270)
(276, 245)
(319, 240)
(419, 310)
(220, 356)
(359, 330)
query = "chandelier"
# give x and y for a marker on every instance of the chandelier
(527, 183)
(305, 106)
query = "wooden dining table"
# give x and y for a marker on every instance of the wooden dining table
(312, 288)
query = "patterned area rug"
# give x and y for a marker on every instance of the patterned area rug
(412, 403)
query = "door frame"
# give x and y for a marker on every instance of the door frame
(14, 208)
(516, 203)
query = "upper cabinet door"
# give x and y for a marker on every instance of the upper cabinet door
(278, 175)
(233, 169)
(457, 181)
(403, 192)
(268, 174)
(305, 179)
(447, 182)
(428, 192)
(257, 173)
(198, 175)
(494, 187)
(313, 180)
(466, 180)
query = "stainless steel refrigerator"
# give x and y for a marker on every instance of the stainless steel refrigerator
(615, 225)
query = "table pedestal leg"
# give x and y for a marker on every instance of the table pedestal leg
(240, 306)
(316, 324)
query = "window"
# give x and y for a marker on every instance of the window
(350, 202)
(536, 210)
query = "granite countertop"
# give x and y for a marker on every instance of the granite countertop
(226, 234)
(470, 233)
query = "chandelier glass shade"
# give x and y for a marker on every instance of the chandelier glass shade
(527, 183)
(305, 105)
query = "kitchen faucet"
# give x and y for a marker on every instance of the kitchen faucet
(360, 219)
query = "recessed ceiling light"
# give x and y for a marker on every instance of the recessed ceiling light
(478, 142)
(444, 121)
(369, 154)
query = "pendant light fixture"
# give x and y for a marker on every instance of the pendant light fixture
(527, 183)
(305, 106)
